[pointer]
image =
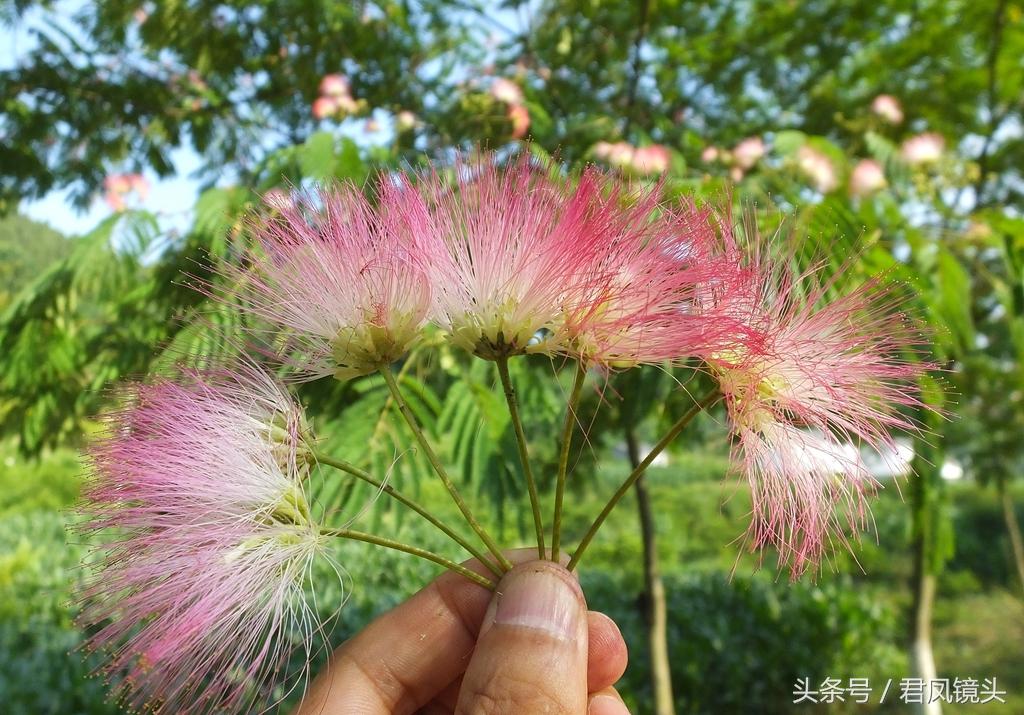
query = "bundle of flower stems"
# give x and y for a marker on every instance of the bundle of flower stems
(199, 496)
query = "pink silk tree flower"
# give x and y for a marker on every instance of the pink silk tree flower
(640, 302)
(802, 476)
(867, 177)
(812, 375)
(888, 108)
(654, 159)
(748, 152)
(923, 148)
(334, 85)
(510, 246)
(343, 282)
(324, 107)
(818, 167)
(519, 117)
(507, 91)
(205, 543)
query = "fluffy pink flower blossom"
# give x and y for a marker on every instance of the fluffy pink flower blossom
(118, 187)
(807, 364)
(533, 265)
(818, 168)
(652, 159)
(405, 120)
(507, 91)
(278, 199)
(923, 148)
(206, 541)
(519, 115)
(748, 152)
(324, 107)
(617, 154)
(888, 108)
(139, 185)
(115, 200)
(710, 154)
(345, 280)
(867, 177)
(117, 183)
(334, 85)
(641, 301)
(510, 246)
(800, 477)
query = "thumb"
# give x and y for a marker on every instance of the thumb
(531, 656)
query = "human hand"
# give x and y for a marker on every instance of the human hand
(454, 647)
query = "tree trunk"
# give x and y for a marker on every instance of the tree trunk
(923, 657)
(924, 578)
(654, 607)
(1013, 527)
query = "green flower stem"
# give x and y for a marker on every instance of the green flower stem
(563, 457)
(410, 419)
(414, 550)
(709, 399)
(524, 454)
(419, 509)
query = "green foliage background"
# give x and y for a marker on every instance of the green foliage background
(118, 86)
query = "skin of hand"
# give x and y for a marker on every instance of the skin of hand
(454, 648)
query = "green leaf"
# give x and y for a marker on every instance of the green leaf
(316, 156)
(786, 143)
(953, 300)
(349, 164)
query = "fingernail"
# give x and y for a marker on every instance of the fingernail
(607, 705)
(539, 598)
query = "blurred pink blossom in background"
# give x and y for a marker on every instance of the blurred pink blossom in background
(519, 115)
(818, 167)
(334, 85)
(867, 177)
(335, 98)
(653, 159)
(748, 152)
(709, 154)
(923, 148)
(117, 188)
(617, 154)
(888, 108)
(324, 107)
(506, 91)
(405, 120)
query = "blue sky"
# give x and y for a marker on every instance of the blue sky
(170, 198)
